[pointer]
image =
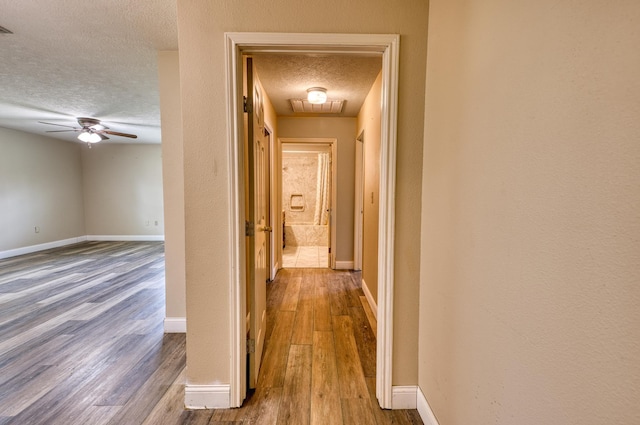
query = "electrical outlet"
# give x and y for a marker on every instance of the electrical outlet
(156, 222)
(36, 229)
(146, 223)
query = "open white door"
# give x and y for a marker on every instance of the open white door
(257, 223)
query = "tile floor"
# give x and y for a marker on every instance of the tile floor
(305, 256)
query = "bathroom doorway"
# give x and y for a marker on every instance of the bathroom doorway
(308, 202)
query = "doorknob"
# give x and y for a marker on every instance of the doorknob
(267, 229)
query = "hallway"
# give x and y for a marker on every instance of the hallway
(319, 359)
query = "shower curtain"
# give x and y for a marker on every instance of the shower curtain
(321, 215)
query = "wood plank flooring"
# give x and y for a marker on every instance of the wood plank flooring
(81, 342)
(319, 359)
(81, 336)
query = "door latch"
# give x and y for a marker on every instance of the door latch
(249, 229)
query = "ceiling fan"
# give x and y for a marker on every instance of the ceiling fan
(91, 130)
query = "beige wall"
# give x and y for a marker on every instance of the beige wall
(369, 126)
(122, 186)
(529, 291)
(40, 185)
(173, 183)
(344, 130)
(202, 24)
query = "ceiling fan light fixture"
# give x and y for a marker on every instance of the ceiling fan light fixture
(317, 95)
(90, 137)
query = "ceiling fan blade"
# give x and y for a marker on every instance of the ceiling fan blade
(61, 131)
(115, 133)
(60, 125)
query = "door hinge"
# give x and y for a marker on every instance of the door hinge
(245, 103)
(249, 228)
(251, 346)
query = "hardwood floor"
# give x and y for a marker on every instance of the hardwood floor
(81, 342)
(81, 337)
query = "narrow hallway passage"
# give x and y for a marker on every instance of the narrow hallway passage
(319, 361)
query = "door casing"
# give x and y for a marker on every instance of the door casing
(358, 207)
(388, 46)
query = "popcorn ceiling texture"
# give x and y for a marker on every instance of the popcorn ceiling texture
(287, 77)
(74, 58)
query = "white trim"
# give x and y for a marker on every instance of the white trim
(386, 224)
(358, 201)
(404, 397)
(388, 46)
(372, 302)
(206, 396)
(275, 213)
(237, 260)
(425, 410)
(40, 247)
(64, 242)
(127, 238)
(344, 265)
(175, 325)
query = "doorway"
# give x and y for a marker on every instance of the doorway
(308, 200)
(387, 45)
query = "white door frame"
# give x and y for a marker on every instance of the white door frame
(273, 207)
(388, 46)
(358, 202)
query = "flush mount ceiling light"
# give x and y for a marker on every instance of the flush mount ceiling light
(317, 95)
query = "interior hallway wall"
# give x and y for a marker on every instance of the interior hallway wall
(529, 288)
(343, 129)
(173, 189)
(201, 28)
(40, 185)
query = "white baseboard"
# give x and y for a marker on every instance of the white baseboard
(207, 396)
(344, 265)
(40, 247)
(425, 410)
(372, 303)
(404, 397)
(125, 238)
(57, 244)
(175, 325)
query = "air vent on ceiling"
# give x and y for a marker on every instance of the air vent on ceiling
(3, 30)
(329, 107)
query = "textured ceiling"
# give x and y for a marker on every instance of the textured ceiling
(75, 58)
(288, 76)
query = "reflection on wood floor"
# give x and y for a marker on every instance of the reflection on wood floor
(81, 342)
(81, 337)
